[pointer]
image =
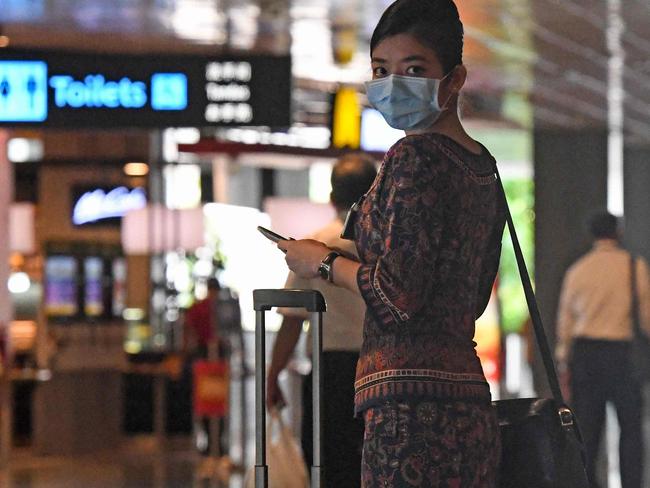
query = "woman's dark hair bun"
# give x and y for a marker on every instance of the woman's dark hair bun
(434, 23)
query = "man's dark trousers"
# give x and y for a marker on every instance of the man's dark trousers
(600, 373)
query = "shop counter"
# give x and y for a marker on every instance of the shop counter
(80, 409)
(78, 412)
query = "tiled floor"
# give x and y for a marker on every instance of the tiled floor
(142, 463)
(139, 464)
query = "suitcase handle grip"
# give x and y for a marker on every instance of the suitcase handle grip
(311, 300)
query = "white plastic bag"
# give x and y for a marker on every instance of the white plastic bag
(284, 458)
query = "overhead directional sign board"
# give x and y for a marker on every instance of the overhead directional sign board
(84, 90)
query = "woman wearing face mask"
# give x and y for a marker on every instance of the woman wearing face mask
(429, 237)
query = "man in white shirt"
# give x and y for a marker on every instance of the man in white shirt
(352, 176)
(594, 333)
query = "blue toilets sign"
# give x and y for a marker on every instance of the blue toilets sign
(23, 91)
(82, 90)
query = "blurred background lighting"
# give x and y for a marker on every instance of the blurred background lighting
(136, 169)
(187, 135)
(19, 283)
(182, 186)
(134, 314)
(23, 150)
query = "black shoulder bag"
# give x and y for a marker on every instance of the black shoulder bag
(640, 353)
(541, 442)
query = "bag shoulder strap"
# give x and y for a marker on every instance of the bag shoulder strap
(636, 319)
(533, 309)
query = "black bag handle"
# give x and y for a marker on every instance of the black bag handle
(636, 319)
(533, 309)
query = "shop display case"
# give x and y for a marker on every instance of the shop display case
(61, 288)
(83, 282)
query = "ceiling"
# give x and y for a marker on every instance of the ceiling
(530, 61)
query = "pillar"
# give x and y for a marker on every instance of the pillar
(570, 184)
(6, 312)
(637, 220)
(637, 200)
(220, 177)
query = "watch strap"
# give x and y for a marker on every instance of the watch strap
(325, 266)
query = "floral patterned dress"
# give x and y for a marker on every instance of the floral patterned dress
(428, 234)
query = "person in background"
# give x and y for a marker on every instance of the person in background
(594, 330)
(200, 333)
(201, 342)
(352, 176)
(428, 235)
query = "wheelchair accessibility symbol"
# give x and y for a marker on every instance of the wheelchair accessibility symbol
(23, 91)
(169, 91)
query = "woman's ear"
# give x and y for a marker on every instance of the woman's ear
(457, 78)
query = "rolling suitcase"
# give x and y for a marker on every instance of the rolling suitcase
(313, 302)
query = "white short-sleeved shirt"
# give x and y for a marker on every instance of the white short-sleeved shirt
(343, 321)
(595, 301)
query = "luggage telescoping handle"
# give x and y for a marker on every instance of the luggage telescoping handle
(312, 301)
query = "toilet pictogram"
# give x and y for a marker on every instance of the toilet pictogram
(23, 91)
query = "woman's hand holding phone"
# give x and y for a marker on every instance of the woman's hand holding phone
(304, 256)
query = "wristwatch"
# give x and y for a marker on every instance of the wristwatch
(325, 266)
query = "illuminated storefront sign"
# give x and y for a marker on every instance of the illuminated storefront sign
(103, 204)
(346, 119)
(82, 90)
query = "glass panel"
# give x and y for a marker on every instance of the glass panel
(61, 299)
(93, 274)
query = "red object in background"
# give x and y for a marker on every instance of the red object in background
(199, 319)
(210, 388)
(488, 340)
(2, 348)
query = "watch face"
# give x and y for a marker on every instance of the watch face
(324, 270)
(325, 267)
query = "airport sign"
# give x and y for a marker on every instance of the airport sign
(48, 89)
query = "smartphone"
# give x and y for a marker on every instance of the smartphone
(269, 234)
(348, 226)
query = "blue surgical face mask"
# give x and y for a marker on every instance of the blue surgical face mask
(406, 102)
